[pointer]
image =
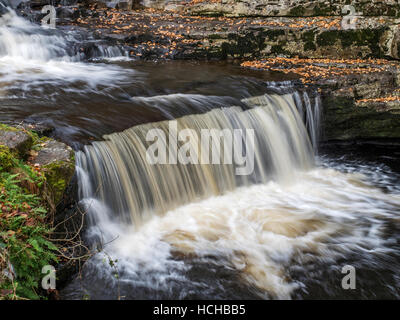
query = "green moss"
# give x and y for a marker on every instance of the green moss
(23, 148)
(298, 11)
(328, 38)
(273, 35)
(392, 12)
(32, 134)
(309, 36)
(322, 10)
(6, 158)
(309, 46)
(8, 128)
(214, 36)
(58, 175)
(211, 14)
(279, 50)
(309, 40)
(240, 46)
(360, 37)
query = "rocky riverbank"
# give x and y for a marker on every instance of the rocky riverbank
(154, 34)
(360, 98)
(273, 8)
(34, 173)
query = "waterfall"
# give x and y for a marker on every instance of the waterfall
(32, 56)
(288, 218)
(22, 39)
(118, 174)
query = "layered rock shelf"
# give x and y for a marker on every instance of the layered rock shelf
(279, 8)
(159, 34)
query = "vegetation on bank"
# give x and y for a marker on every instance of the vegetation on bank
(24, 225)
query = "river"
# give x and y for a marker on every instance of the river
(286, 231)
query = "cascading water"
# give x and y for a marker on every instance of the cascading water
(281, 145)
(32, 57)
(270, 228)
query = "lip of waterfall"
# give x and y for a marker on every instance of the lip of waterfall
(308, 111)
(185, 104)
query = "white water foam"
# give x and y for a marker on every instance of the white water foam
(260, 230)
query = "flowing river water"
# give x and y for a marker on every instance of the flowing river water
(199, 230)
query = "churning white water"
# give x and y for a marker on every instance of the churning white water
(32, 56)
(261, 231)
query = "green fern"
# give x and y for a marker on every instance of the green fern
(24, 231)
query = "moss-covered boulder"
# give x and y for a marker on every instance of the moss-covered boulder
(15, 140)
(56, 160)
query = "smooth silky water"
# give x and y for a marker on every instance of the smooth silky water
(200, 231)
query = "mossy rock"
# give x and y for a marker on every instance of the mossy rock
(58, 164)
(58, 175)
(6, 158)
(370, 38)
(244, 45)
(344, 120)
(16, 140)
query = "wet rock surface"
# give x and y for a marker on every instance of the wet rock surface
(361, 105)
(39, 128)
(344, 119)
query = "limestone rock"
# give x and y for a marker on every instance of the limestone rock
(281, 8)
(16, 140)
